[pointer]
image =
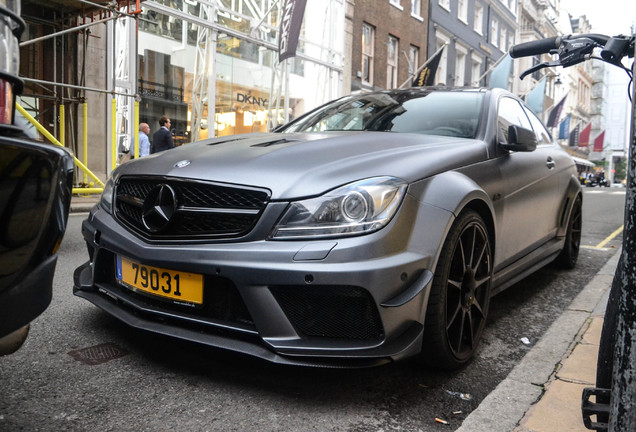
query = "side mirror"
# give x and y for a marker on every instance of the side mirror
(520, 139)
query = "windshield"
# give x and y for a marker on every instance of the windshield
(445, 113)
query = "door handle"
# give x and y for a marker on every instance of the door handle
(551, 164)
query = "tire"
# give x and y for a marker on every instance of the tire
(460, 295)
(607, 343)
(570, 252)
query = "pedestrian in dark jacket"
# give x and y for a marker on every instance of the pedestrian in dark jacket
(162, 139)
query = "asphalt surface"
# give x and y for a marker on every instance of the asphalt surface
(158, 383)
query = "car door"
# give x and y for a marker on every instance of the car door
(561, 162)
(530, 190)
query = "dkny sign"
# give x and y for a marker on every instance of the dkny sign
(289, 30)
(253, 100)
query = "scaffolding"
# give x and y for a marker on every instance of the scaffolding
(67, 106)
(119, 16)
(203, 88)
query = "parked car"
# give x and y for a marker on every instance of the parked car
(35, 194)
(374, 228)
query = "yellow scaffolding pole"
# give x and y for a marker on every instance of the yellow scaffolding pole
(51, 138)
(114, 133)
(85, 138)
(62, 126)
(136, 127)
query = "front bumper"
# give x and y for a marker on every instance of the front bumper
(346, 302)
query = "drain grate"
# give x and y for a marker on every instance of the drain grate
(98, 354)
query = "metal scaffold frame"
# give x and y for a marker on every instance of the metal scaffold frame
(123, 90)
(203, 88)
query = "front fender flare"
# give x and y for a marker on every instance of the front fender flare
(453, 191)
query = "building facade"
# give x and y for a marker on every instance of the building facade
(538, 20)
(212, 67)
(476, 34)
(578, 85)
(247, 83)
(388, 42)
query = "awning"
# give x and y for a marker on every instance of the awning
(583, 162)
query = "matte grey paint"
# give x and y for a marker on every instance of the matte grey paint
(522, 198)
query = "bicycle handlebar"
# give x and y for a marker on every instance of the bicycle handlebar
(546, 45)
(531, 48)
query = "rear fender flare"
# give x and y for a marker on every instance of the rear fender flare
(573, 191)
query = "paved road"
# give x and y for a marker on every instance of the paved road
(161, 384)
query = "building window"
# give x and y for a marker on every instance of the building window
(416, 8)
(479, 18)
(392, 63)
(368, 35)
(583, 95)
(494, 31)
(512, 5)
(475, 71)
(460, 65)
(414, 60)
(462, 10)
(445, 4)
(502, 38)
(442, 70)
(397, 4)
(535, 62)
(511, 40)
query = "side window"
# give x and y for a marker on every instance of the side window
(510, 113)
(543, 136)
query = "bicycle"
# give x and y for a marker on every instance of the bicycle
(615, 380)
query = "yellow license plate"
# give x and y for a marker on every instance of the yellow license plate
(170, 284)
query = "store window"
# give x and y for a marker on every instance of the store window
(161, 85)
(239, 97)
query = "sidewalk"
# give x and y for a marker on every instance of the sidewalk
(543, 392)
(83, 204)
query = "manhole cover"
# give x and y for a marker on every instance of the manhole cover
(98, 354)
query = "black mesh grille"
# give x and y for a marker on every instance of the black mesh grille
(343, 312)
(204, 210)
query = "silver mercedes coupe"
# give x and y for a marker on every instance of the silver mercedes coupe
(374, 228)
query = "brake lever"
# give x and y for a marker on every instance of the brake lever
(539, 67)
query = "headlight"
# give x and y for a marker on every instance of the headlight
(107, 196)
(357, 208)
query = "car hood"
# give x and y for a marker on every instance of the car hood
(295, 165)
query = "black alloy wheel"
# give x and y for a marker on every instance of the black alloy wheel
(570, 252)
(460, 295)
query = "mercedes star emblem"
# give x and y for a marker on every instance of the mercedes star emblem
(181, 164)
(159, 207)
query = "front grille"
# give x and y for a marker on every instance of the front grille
(202, 210)
(342, 312)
